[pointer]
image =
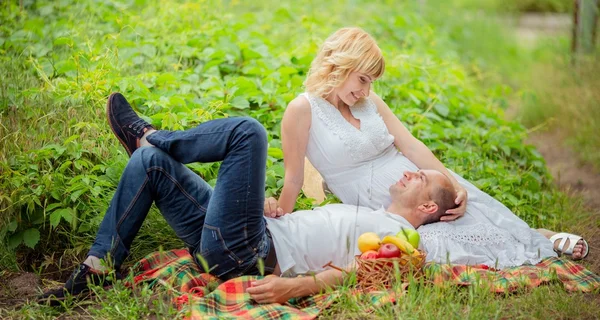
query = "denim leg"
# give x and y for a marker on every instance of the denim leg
(234, 232)
(152, 175)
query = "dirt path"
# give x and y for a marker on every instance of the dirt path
(569, 172)
(533, 26)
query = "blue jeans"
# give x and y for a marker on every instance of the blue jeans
(224, 225)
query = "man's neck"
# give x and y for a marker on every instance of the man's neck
(406, 213)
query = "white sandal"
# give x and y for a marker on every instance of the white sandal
(573, 239)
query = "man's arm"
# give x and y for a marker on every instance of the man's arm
(274, 289)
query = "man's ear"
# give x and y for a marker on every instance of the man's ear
(428, 207)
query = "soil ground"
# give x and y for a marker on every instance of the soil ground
(15, 288)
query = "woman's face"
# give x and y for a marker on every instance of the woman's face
(356, 86)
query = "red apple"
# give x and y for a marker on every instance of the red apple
(369, 254)
(389, 250)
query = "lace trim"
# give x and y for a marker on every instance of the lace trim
(480, 234)
(361, 144)
(532, 261)
(372, 124)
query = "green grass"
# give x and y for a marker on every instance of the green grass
(477, 302)
(419, 301)
(181, 63)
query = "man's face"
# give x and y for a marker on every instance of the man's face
(356, 86)
(414, 188)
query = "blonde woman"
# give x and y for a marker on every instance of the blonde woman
(361, 148)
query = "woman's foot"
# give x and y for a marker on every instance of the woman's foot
(562, 244)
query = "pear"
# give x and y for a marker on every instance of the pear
(410, 235)
(369, 241)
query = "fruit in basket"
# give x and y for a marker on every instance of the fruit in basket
(388, 250)
(369, 254)
(410, 235)
(368, 241)
(402, 244)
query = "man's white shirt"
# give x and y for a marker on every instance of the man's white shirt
(307, 240)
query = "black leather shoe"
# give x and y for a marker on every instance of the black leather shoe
(125, 123)
(78, 285)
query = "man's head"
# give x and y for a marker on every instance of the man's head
(424, 195)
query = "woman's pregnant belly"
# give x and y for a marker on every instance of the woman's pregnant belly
(368, 185)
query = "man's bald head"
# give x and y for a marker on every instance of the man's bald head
(425, 194)
(444, 196)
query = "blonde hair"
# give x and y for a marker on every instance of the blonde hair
(347, 50)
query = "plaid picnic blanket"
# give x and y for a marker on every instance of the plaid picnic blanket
(207, 298)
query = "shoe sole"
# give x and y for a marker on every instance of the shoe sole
(108, 116)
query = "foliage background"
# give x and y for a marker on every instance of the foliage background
(182, 62)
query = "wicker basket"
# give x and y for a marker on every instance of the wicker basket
(378, 274)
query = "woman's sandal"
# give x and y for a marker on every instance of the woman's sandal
(573, 239)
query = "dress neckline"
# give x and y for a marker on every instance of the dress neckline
(338, 113)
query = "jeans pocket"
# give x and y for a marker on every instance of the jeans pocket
(212, 248)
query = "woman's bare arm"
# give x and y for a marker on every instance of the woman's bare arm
(417, 152)
(295, 128)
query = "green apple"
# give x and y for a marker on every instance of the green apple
(410, 235)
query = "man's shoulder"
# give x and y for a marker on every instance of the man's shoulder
(340, 207)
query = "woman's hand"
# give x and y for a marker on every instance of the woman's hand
(272, 208)
(272, 289)
(420, 155)
(461, 201)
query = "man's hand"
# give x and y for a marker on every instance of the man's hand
(272, 289)
(272, 208)
(461, 201)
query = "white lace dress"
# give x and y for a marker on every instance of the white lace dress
(359, 166)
